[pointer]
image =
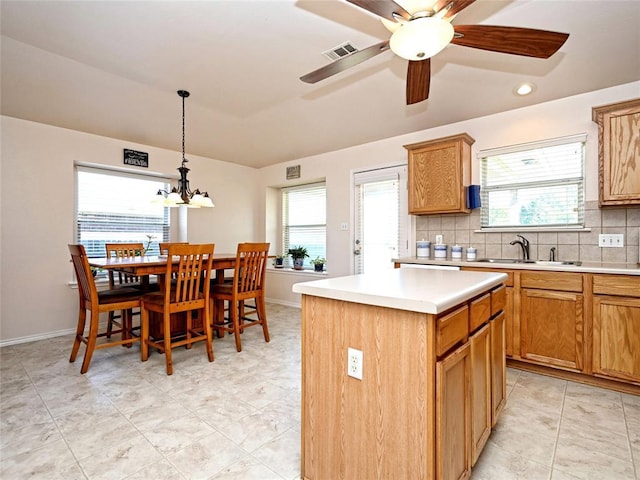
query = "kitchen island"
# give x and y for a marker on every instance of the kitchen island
(428, 346)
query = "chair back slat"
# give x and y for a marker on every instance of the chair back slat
(251, 262)
(191, 280)
(123, 250)
(86, 283)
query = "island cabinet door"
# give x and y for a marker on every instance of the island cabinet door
(453, 415)
(480, 343)
(498, 366)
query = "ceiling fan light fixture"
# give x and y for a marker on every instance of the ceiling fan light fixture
(421, 38)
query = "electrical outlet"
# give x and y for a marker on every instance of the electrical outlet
(611, 240)
(344, 226)
(354, 363)
(439, 239)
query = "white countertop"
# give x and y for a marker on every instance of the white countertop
(585, 267)
(416, 290)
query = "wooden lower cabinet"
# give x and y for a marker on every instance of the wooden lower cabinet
(481, 405)
(488, 376)
(551, 326)
(580, 326)
(453, 415)
(616, 337)
(498, 364)
(512, 347)
(510, 343)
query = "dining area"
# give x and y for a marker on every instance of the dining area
(186, 295)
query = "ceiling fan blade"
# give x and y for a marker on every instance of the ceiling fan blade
(344, 63)
(418, 80)
(456, 6)
(382, 8)
(514, 40)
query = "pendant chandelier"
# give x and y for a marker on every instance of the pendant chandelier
(182, 195)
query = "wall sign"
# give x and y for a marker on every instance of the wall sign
(293, 172)
(137, 159)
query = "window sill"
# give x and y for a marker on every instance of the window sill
(292, 271)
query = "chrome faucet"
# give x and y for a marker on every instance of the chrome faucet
(524, 245)
(552, 254)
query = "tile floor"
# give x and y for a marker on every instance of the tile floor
(239, 417)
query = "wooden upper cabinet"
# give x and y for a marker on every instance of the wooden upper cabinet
(619, 152)
(439, 171)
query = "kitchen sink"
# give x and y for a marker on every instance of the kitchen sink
(517, 260)
(503, 260)
(551, 262)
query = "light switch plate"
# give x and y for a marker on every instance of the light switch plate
(611, 240)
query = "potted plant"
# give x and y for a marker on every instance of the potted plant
(298, 254)
(278, 261)
(318, 263)
(95, 271)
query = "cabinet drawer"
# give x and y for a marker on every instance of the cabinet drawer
(564, 281)
(479, 312)
(498, 300)
(451, 329)
(629, 286)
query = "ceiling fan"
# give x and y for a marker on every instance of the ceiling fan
(424, 29)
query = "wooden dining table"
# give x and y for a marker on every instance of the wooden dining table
(145, 265)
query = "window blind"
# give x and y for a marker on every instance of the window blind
(380, 224)
(304, 219)
(115, 207)
(539, 184)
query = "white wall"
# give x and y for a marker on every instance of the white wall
(554, 119)
(37, 198)
(37, 215)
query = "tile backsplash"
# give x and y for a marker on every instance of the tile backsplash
(583, 246)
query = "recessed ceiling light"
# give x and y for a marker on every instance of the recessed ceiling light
(524, 89)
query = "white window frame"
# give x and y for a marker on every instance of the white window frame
(321, 228)
(524, 184)
(157, 228)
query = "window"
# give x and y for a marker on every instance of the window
(538, 184)
(115, 207)
(304, 219)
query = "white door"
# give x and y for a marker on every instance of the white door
(381, 218)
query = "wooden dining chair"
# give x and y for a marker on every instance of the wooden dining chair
(188, 292)
(164, 246)
(248, 283)
(121, 250)
(123, 299)
(121, 279)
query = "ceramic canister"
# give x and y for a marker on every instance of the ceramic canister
(456, 251)
(423, 248)
(471, 253)
(440, 251)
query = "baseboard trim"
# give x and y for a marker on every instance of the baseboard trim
(71, 331)
(35, 338)
(283, 302)
(618, 386)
